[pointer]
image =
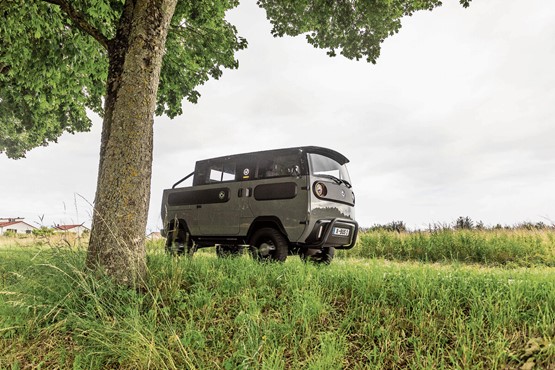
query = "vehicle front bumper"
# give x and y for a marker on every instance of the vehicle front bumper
(339, 233)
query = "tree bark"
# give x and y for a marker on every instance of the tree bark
(123, 189)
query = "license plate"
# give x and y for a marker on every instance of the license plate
(340, 231)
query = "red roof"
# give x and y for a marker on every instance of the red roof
(5, 224)
(67, 227)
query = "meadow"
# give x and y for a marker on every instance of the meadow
(465, 300)
(492, 247)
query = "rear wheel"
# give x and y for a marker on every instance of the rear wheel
(179, 242)
(225, 251)
(268, 244)
(318, 256)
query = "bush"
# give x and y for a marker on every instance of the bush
(43, 231)
(464, 223)
(10, 234)
(398, 226)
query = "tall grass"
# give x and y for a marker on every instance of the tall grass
(490, 247)
(209, 313)
(54, 240)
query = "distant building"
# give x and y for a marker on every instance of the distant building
(76, 229)
(15, 225)
(10, 219)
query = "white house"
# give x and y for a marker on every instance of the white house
(77, 229)
(16, 225)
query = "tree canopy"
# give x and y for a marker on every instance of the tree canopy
(53, 53)
(54, 63)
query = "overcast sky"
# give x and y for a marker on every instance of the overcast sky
(456, 119)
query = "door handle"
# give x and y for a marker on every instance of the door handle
(247, 192)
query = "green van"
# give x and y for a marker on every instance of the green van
(275, 203)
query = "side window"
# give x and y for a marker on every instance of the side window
(280, 166)
(201, 170)
(266, 168)
(219, 172)
(229, 171)
(215, 174)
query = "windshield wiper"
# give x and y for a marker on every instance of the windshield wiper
(335, 179)
(347, 184)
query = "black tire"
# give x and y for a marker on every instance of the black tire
(227, 251)
(268, 244)
(179, 242)
(318, 256)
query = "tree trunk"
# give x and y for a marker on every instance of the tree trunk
(123, 189)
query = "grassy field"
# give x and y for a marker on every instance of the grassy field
(411, 310)
(509, 248)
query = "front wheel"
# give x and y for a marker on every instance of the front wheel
(318, 256)
(268, 244)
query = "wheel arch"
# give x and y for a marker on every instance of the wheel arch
(266, 221)
(175, 224)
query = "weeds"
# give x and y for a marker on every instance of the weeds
(510, 248)
(215, 313)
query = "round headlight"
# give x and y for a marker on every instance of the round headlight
(320, 189)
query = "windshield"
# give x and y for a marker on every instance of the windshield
(325, 166)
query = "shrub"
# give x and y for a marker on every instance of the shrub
(10, 234)
(43, 231)
(398, 226)
(464, 223)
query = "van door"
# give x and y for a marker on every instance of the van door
(217, 210)
(281, 191)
